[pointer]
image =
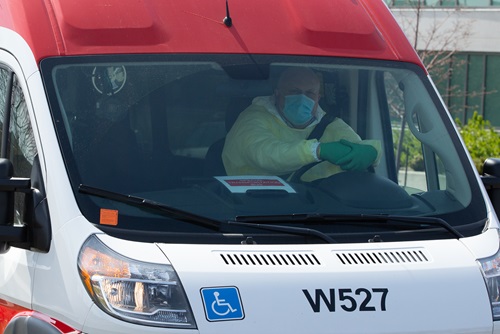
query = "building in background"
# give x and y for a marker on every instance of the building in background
(465, 36)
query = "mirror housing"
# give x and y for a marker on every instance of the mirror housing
(10, 233)
(491, 181)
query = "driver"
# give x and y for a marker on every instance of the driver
(270, 137)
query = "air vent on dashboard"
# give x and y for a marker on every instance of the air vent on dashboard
(270, 259)
(383, 257)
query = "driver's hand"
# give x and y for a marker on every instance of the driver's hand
(359, 158)
(333, 151)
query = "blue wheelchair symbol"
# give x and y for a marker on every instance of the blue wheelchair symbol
(222, 303)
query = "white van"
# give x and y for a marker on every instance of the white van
(117, 214)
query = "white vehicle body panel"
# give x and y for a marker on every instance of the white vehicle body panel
(429, 290)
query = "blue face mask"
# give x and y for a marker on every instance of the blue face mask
(298, 109)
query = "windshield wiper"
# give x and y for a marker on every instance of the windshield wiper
(286, 229)
(191, 217)
(422, 222)
(149, 204)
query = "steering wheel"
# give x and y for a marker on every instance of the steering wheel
(302, 170)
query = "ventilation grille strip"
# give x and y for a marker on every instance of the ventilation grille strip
(270, 259)
(383, 257)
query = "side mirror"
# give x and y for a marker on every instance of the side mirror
(6, 200)
(491, 167)
(6, 197)
(8, 186)
(491, 181)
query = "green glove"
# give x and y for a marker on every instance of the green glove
(359, 158)
(333, 151)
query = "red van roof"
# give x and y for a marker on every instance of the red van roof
(345, 28)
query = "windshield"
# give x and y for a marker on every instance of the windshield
(266, 139)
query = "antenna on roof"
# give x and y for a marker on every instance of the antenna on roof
(227, 20)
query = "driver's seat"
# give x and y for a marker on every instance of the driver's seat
(213, 158)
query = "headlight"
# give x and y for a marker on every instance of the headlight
(134, 291)
(491, 272)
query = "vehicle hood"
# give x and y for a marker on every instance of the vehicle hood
(412, 287)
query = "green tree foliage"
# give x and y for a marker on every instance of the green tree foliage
(480, 138)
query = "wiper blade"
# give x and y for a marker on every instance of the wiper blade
(286, 229)
(422, 222)
(149, 204)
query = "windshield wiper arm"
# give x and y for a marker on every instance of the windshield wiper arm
(286, 229)
(149, 204)
(422, 222)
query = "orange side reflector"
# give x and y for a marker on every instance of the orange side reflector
(108, 217)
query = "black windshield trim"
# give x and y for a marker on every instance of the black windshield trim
(475, 210)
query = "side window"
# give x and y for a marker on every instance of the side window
(419, 167)
(22, 142)
(4, 87)
(409, 158)
(19, 143)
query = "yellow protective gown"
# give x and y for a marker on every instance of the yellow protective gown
(261, 143)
